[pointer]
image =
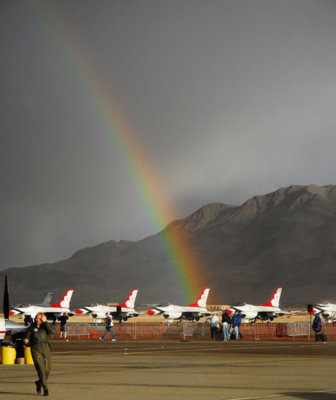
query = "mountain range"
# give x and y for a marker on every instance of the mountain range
(284, 238)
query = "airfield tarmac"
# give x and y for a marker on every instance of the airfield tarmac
(197, 370)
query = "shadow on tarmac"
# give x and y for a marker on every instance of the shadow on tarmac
(312, 396)
(16, 393)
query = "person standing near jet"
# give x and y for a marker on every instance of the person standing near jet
(317, 325)
(37, 335)
(108, 328)
(214, 326)
(226, 322)
(235, 324)
(63, 329)
(28, 320)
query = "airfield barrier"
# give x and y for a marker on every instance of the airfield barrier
(74, 331)
(199, 331)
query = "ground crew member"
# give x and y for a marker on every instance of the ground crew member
(37, 337)
(63, 329)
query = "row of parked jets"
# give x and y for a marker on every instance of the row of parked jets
(122, 312)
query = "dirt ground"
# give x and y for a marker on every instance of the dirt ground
(187, 370)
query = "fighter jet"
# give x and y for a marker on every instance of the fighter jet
(192, 312)
(51, 311)
(265, 312)
(327, 310)
(120, 312)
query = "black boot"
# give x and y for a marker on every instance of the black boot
(38, 387)
(46, 393)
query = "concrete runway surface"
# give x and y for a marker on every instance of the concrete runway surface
(191, 370)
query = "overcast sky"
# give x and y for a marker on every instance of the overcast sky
(227, 99)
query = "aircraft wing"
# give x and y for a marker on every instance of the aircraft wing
(14, 327)
(84, 310)
(270, 315)
(15, 311)
(155, 311)
(283, 312)
(194, 315)
(120, 315)
(52, 316)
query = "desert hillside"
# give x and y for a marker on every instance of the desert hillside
(284, 238)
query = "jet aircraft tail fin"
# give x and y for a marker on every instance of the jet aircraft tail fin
(65, 300)
(201, 301)
(129, 302)
(47, 300)
(275, 299)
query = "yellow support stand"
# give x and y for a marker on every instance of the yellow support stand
(27, 355)
(8, 355)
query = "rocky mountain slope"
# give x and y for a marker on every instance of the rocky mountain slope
(285, 238)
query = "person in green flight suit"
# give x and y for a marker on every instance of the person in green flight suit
(37, 336)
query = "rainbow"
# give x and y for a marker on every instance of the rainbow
(186, 269)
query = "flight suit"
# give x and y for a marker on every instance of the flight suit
(40, 350)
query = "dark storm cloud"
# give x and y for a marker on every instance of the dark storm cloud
(228, 99)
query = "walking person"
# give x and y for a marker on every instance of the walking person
(108, 328)
(226, 322)
(63, 329)
(235, 324)
(37, 336)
